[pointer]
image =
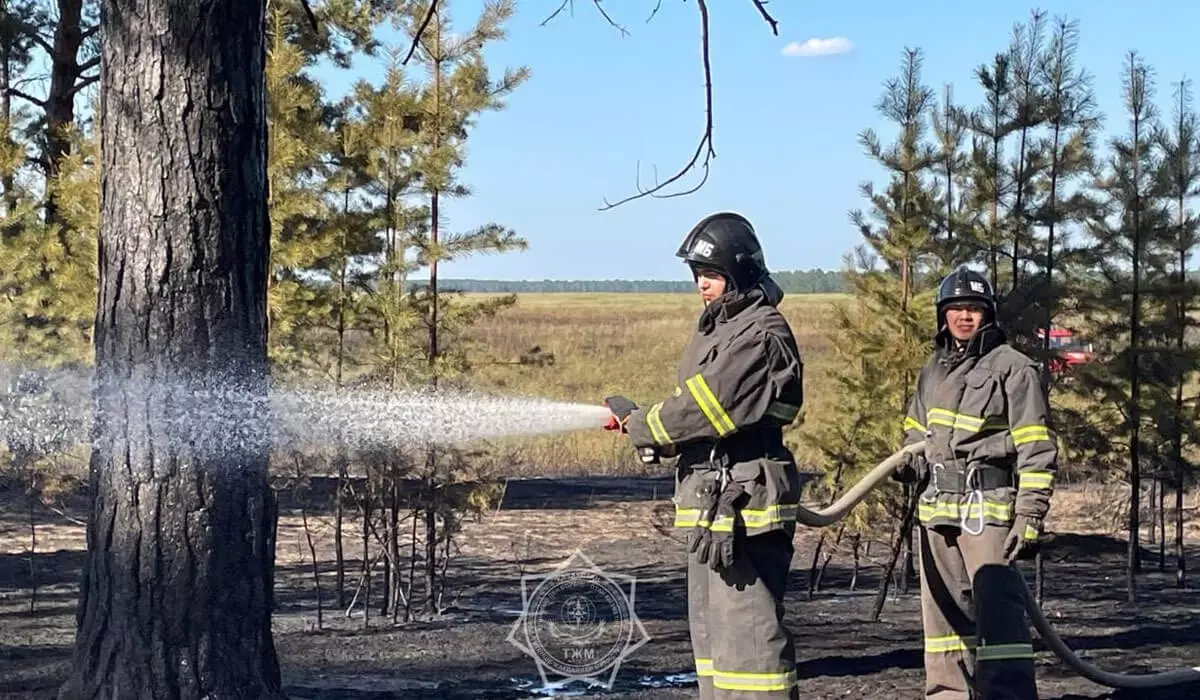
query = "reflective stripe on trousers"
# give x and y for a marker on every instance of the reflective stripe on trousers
(740, 680)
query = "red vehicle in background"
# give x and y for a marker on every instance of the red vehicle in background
(1068, 349)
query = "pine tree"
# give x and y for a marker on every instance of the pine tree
(385, 121)
(953, 216)
(16, 52)
(897, 234)
(1179, 183)
(1130, 255)
(1026, 47)
(300, 166)
(1071, 120)
(177, 588)
(47, 304)
(73, 59)
(458, 89)
(991, 125)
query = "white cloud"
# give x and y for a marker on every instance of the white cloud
(819, 47)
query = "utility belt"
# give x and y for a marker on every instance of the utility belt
(954, 478)
(747, 444)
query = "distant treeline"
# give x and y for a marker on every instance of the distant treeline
(792, 282)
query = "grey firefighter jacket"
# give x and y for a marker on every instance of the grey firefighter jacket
(740, 381)
(989, 449)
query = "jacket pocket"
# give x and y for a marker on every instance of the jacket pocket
(773, 490)
(982, 405)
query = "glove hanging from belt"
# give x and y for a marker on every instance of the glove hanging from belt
(700, 539)
(717, 546)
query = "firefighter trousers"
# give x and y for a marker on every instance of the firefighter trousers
(742, 647)
(977, 640)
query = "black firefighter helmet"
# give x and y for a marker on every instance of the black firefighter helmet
(965, 285)
(726, 242)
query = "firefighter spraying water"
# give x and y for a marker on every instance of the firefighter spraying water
(977, 441)
(740, 381)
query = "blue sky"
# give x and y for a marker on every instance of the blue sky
(786, 126)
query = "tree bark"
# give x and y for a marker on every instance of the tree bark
(176, 595)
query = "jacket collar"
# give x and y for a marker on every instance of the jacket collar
(729, 305)
(986, 339)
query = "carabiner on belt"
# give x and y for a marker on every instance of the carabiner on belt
(976, 493)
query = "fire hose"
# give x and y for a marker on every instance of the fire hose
(880, 474)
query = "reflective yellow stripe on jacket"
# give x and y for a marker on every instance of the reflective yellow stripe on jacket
(654, 422)
(963, 422)
(708, 403)
(752, 517)
(715, 412)
(1022, 435)
(998, 510)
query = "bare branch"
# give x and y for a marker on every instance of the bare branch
(312, 19)
(762, 10)
(604, 14)
(562, 6)
(90, 32)
(705, 152)
(705, 147)
(27, 97)
(84, 82)
(657, 7)
(433, 6)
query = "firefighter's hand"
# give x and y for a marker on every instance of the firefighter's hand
(1024, 539)
(648, 455)
(621, 407)
(911, 469)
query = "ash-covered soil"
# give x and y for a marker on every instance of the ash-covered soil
(622, 526)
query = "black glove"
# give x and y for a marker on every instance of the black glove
(724, 535)
(1024, 539)
(621, 407)
(911, 469)
(700, 537)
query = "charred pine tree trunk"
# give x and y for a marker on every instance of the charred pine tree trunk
(339, 517)
(176, 594)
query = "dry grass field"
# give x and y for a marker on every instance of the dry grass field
(628, 344)
(583, 491)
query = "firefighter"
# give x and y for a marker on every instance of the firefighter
(737, 486)
(989, 466)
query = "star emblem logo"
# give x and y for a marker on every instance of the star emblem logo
(578, 622)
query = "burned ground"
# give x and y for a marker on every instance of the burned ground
(622, 526)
